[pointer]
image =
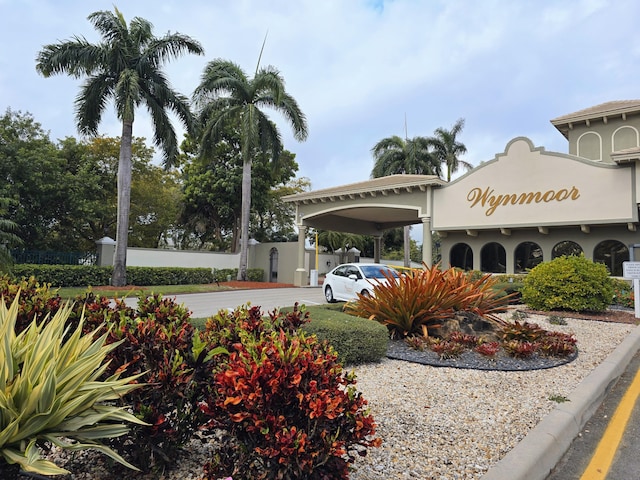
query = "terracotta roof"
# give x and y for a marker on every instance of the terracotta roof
(617, 107)
(391, 182)
(607, 109)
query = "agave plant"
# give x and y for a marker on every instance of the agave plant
(50, 392)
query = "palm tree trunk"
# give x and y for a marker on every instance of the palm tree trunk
(244, 218)
(119, 278)
(407, 245)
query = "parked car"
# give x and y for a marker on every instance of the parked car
(345, 281)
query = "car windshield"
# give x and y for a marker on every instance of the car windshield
(375, 271)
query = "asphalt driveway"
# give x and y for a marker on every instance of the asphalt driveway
(204, 305)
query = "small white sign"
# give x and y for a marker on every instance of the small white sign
(631, 269)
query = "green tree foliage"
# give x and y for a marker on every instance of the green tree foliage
(125, 68)
(393, 155)
(8, 238)
(227, 97)
(64, 197)
(213, 203)
(447, 149)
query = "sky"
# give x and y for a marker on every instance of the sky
(362, 70)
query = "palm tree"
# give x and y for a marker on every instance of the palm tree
(394, 155)
(125, 68)
(447, 149)
(8, 238)
(226, 96)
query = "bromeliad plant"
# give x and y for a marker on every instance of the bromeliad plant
(50, 392)
(414, 303)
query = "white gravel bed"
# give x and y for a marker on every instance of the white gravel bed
(451, 424)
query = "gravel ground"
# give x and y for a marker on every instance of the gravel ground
(439, 423)
(446, 423)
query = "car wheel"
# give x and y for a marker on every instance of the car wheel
(328, 294)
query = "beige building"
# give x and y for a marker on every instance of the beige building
(508, 214)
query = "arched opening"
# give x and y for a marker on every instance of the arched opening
(493, 258)
(612, 253)
(527, 256)
(461, 256)
(273, 265)
(566, 248)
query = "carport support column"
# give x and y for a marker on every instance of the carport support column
(427, 242)
(377, 248)
(300, 275)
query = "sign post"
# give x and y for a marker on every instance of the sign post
(632, 270)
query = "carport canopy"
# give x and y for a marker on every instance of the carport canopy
(368, 208)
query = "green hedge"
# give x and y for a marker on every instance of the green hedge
(253, 274)
(357, 340)
(85, 275)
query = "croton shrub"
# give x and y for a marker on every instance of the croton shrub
(287, 407)
(159, 343)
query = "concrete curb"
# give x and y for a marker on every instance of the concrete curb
(543, 447)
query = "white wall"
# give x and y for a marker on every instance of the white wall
(150, 257)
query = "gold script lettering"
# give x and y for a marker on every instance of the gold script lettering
(487, 197)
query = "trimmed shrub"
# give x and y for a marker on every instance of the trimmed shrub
(85, 275)
(356, 340)
(253, 274)
(512, 289)
(568, 283)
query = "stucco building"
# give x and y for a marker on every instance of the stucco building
(522, 207)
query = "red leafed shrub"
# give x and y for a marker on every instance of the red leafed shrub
(289, 409)
(36, 300)
(160, 340)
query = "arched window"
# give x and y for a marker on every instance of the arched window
(566, 248)
(612, 253)
(527, 256)
(493, 258)
(461, 256)
(590, 146)
(624, 137)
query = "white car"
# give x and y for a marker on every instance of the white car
(345, 281)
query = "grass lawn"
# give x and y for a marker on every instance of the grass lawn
(72, 292)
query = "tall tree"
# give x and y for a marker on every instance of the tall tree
(125, 68)
(31, 172)
(8, 237)
(447, 149)
(395, 155)
(226, 96)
